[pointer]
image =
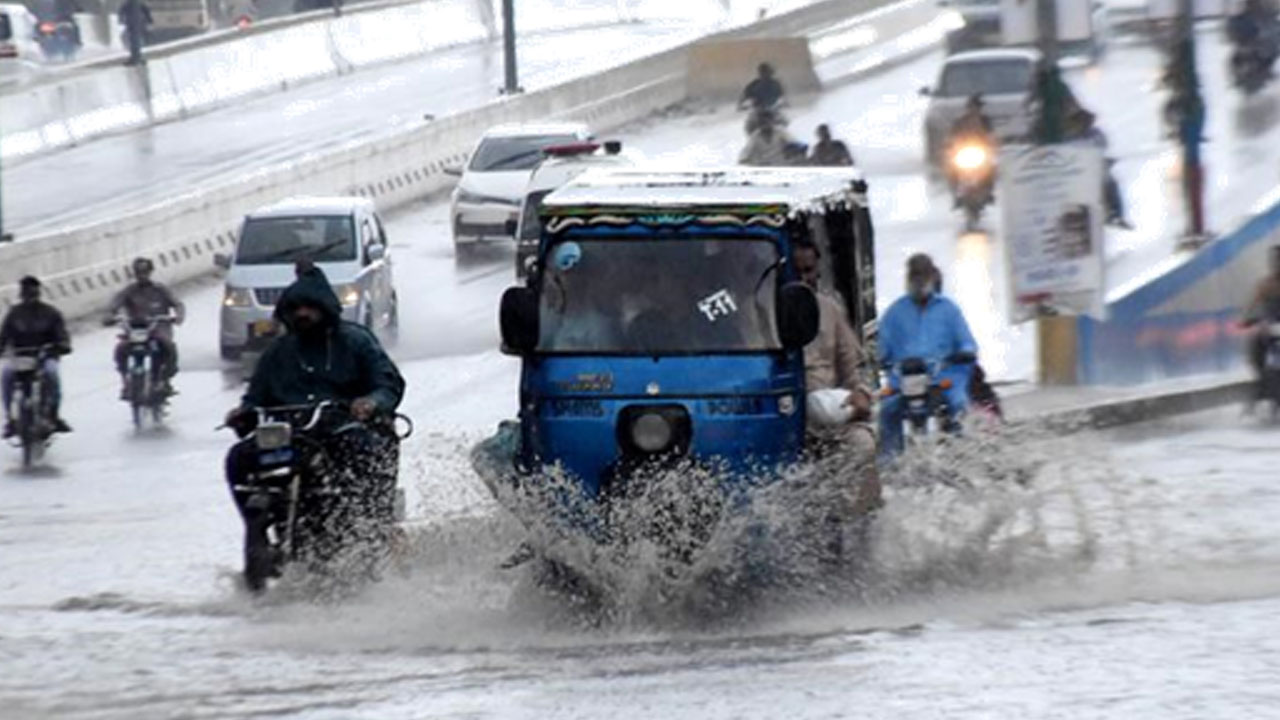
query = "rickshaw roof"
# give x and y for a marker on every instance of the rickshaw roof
(748, 190)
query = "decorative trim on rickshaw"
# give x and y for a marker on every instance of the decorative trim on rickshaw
(560, 223)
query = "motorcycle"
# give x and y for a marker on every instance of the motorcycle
(147, 391)
(33, 421)
(971, 168)
(762, 115)
(297, 507)
(925, 407)
(58, 39)
(1269, 382)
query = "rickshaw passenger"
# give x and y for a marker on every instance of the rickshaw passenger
(833, 360)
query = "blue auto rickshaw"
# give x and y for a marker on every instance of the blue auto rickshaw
(662, 322)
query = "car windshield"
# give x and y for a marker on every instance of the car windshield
(6, 30)
(991, 77)
(514, 153)
(659, 296)
(266, 241)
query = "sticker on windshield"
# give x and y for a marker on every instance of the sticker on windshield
(717, 305)
(567, 256)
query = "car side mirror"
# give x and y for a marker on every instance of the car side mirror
(925, 91)
(510, 227)
(376, 253)
(453, 171)
(797, 315)
(222, 260)
(518, 320)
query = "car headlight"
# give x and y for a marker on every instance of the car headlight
(348, 294)
(970, 157)
(235, 297)
(652, 432)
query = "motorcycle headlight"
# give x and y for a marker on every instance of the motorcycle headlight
(348, 294)
(970, 157)
(237, 297)
(273, 435)
(652, 433)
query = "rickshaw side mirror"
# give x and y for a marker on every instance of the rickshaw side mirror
(510, 227)
(518, 320)
(797, 315)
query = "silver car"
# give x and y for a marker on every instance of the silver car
(343, 236)
(1003, 78)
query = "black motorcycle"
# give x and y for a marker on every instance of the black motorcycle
(300, 503)
(33, 413)
(147, 391)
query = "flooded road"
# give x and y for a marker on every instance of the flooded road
(1138, 581)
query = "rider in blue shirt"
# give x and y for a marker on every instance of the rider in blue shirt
(923, 324)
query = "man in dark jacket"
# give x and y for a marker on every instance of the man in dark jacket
(829, 152)
(142, 302)
(323, 357)
(32, 324)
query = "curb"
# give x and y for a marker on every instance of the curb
(1129, 411)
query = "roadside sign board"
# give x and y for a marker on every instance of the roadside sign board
(1051, 200)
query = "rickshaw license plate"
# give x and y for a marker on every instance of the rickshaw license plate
(915, 385)
(263, 328)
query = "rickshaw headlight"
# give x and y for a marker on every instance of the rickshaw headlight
(651, 432)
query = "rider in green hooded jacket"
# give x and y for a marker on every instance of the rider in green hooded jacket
(323, 357)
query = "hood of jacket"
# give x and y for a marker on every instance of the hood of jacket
(311, 288)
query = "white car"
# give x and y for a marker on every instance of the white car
(562, 164)
(343, 236)
(489, 192)
(1003, 78)
(17, 31)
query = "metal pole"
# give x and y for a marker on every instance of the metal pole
(511, 84)
(1190, 121)
(1051, 88)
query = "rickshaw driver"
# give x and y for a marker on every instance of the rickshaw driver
(832, 361)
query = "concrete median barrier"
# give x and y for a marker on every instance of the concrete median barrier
(84, 266)
(1185, 321)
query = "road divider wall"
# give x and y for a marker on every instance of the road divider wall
(1185, 321)
(82, 267)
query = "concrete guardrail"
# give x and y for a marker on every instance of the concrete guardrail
(82, 267)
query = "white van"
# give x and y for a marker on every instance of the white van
(562, 164)
(1004, 79)
(343, 236)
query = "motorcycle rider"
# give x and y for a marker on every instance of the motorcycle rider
(974, 126)
(1263, 307)
(764, 92)
(927, 325)
(763, 98)
(140, 302)
(32, 324)
(829, 152)
(1081, 126)
(323, 357)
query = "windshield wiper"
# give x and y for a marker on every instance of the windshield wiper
(289, 253)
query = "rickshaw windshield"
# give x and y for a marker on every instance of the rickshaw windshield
(659, 296)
